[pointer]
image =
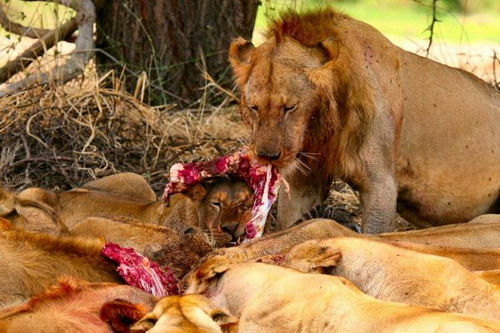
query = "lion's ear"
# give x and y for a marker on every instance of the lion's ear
(313, 256)
(6, 224)
(331, 49)
(240, 51)
(323, 76)
(326, 257)
(212, 267)
(197, 192)
(119, 314)
(240, 54)
(227, 322)
(7, 202)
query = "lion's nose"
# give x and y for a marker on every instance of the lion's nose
(269, 154)
(230, 228)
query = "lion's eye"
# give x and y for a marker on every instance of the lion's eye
(254, 108)
(215, 204)
(289, 108)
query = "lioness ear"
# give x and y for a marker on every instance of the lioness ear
(312, 256)
(240, 54)
(145, 324)
(212, 267)
(6, 224)
(7, 202)
(119, 314)
(326, 257)
(223, 318)
(197, 192)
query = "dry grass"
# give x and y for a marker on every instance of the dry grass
(62, 137)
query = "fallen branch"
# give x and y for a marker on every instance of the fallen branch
(79, 58)
(19, 29)
(37, 49)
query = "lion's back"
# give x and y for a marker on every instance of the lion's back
(451, 139)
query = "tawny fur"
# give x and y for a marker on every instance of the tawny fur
(391, 273)
(473, 245)
(221, 208)
(30, 213)
(492, 276)
(70, 306)
(328, 96)
(269, 298)
(32, 262)
(180, 251)
(190, 314)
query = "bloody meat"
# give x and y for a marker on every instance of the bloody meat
(262, 178)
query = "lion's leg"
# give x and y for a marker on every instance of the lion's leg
(303, 194)
(378, 204)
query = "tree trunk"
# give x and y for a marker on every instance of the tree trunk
(173, 41)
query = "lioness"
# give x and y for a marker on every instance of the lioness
(220, 207)
(178, 250)
(33, 215)
(392, 273)
(330, 96)
(188, 314)
(31, 262)
(269, 298)
(473, 245)
(71, 306)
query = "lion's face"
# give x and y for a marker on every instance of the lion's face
(189, 313)
(225, 210)
(278, 98)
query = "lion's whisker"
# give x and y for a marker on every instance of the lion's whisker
(312, 156)
(301, 166)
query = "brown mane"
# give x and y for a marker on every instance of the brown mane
(309, 27)
(76, 245)
(348, 96)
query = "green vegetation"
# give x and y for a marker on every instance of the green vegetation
(409, 19)
(37, 14)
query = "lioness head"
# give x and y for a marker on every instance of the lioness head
(299, 93)
(312, 256)
(225, 206)
(189, 313)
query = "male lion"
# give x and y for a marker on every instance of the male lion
(332, 97)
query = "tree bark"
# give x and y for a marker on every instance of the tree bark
(173, 41)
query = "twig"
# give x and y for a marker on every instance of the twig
(40, 159)
(496, 83)
(431, 26)
(182, 151)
